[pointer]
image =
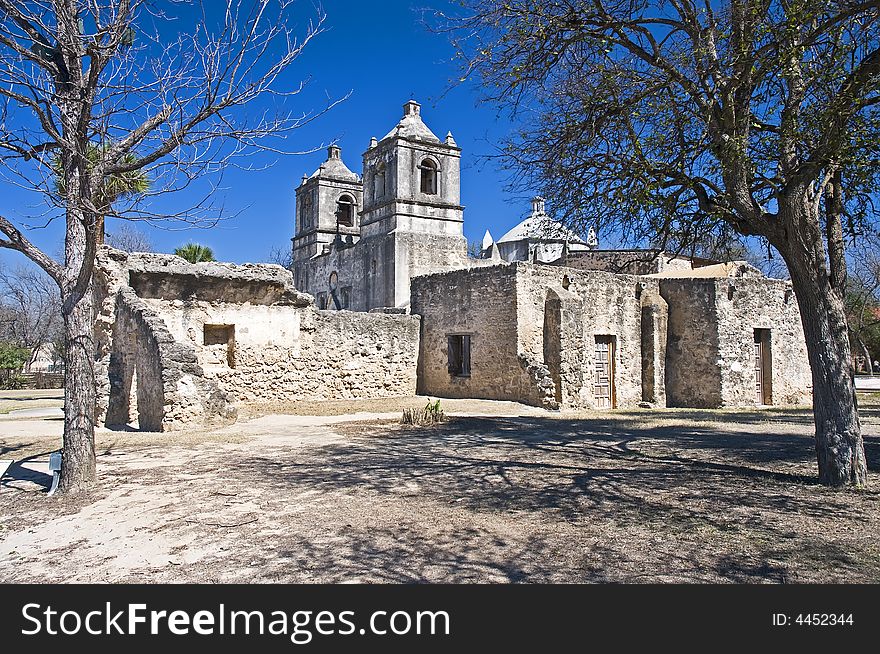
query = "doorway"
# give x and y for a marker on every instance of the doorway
(603, 386)
(763, 390)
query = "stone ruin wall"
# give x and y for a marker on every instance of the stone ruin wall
(710, 352)
(594, 303)
(278, 353)
(479, 302)
(745, 304)
(265, 342)
(693, 378)
(533, 338)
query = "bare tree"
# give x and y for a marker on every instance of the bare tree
(129, 238)
(862, 298)
(76, 73)
(689, 118)
(281, 256)
(30, 309)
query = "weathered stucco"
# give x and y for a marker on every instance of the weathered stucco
(193, 340)
(710, 355)
(534, 331)
(284, 353)
(480, 303)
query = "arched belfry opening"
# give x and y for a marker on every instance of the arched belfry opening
(428, 177)
(345, 208)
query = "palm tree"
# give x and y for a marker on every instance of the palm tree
(195, 253)
(116, 186)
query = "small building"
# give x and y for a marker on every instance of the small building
(562, 337)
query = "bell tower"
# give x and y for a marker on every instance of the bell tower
(412, 215)
(328, 204)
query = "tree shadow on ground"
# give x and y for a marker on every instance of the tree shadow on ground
(764, 416)
(618, 484)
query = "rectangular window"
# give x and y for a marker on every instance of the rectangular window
(459, 351)
(345, 297)
(322, 300)
(220, 340)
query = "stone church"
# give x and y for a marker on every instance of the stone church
(359, 241)
(384, 301)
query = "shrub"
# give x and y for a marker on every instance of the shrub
(432, 414)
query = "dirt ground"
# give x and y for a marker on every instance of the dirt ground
(499, 493)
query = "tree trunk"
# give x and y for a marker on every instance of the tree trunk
(839, 447)
(834, 233)
(864, 348)
(78, 452)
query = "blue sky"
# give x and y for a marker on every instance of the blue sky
(380, 53)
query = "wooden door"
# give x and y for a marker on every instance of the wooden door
(763, 367)
(603, 387)
(759, 369)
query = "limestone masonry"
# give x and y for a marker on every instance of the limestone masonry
(184, 344)
(383, 300)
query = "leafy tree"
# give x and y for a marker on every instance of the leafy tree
(167, 102)
(195, 253)
(12, 358)
(685, 118)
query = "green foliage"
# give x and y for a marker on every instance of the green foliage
(12, 358)
(195, 253)
(432, 414)
(116, 186)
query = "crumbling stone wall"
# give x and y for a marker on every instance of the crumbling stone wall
(693, 378)
(171, 387)
(198, 338)
(655, 320)
(533, 331)
(744, 305)
(279, 353)
(480, 303)
(599, 304)
(710, 359)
